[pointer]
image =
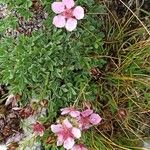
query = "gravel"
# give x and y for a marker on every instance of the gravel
(3, 11)
(25, 27)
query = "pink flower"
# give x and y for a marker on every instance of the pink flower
(71, 111)
(79, 147)
(88, 119)
(86, 112)
(95, 119)
(38, 129)
(66, 134)
(68, 14)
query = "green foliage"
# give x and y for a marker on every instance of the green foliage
(51, 62)
(55, 64)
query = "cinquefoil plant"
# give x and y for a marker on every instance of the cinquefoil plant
(51, 62)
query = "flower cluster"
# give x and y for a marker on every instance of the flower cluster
(67, 14)
(68, 132)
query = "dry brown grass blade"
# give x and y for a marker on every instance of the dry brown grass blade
(136, 17)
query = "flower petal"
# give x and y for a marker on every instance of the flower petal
(58, 7)
(74, 114)
(78, 12)
(86, 126)
(76, 132)
(87, 112)
(56, 128)
(95, 119)
(76, 147)
(60, 140)
(59, 21)
(68, 143)
(67, 123)
(68, 3)
(79, 147)
(71, 24)
(65, 111)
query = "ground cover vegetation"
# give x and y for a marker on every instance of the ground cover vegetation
(79, 83)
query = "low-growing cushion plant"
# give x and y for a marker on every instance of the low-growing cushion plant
(101, 64)
(50, 62)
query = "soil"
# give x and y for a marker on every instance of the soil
(9, 120)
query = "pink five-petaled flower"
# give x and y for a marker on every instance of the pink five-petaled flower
(38, 129)
(68, 14)
(79, 147)
(66, 134)
(87, 119)
(71, 111)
